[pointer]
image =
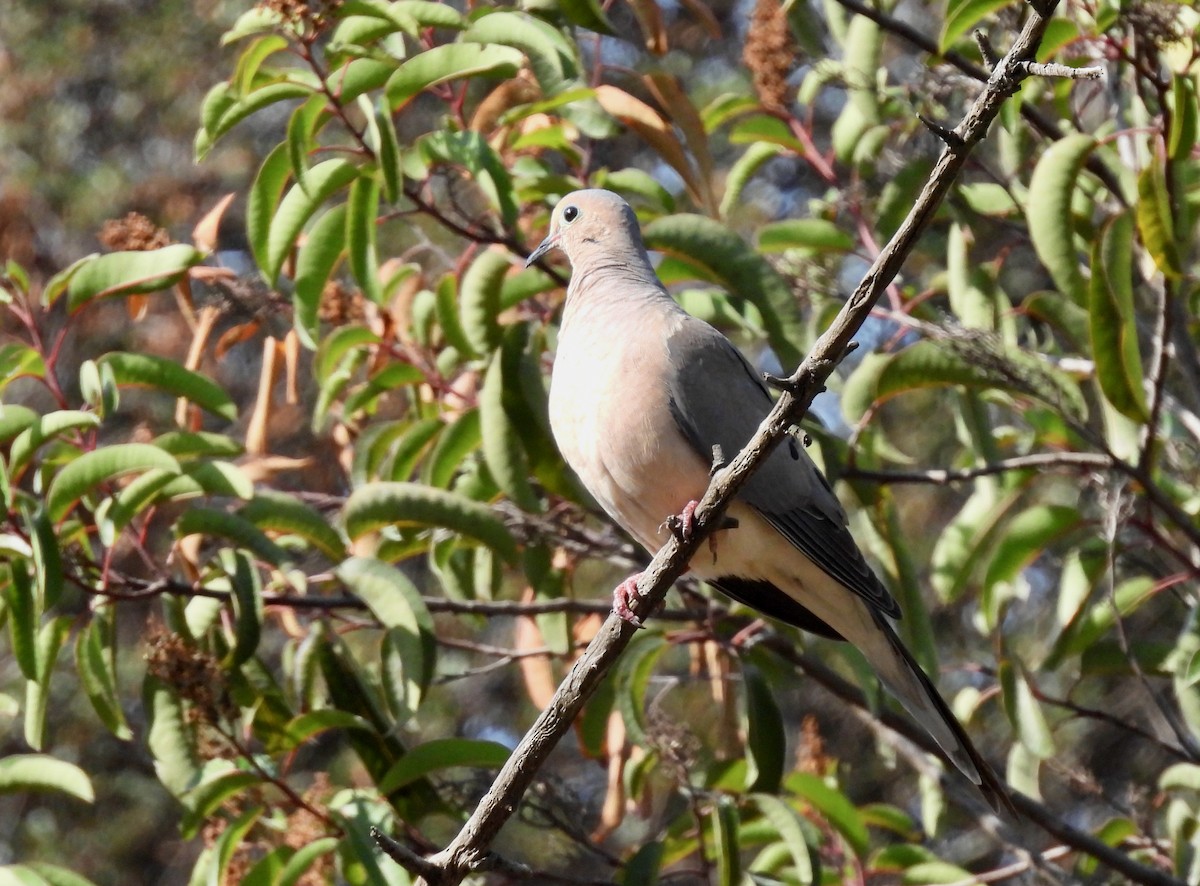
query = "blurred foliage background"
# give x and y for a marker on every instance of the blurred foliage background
(287, 550)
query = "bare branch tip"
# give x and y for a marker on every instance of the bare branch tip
(1053, 69)
(787, 385)
(990, 56)
(952, 139)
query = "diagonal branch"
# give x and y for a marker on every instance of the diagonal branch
(468, 851)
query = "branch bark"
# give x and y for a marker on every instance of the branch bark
(468, 851)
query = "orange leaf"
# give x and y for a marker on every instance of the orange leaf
(204, 235)
(653, 129)
(650, 20)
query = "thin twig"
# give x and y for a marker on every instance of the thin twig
(944, 477)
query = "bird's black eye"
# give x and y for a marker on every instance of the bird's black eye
(570, 214)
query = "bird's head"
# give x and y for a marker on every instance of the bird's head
(589, 220)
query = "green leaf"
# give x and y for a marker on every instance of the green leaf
(410, 637)
(147, 370)
(1113, 321)
(300, 139)
(91, 469)
(811, 234)
(836, 809)
(297, 207)
(44, 428)
(551, 56)
(1051, 224)
(787, 825)
(130, 273)
(202, 801)
(479, 299)
(443, 754)
(449, 61)
(362, 211)
(95, 653)
(1154, 221)
(1185, 118)
(17, 361)
(587, 14)
(229, 841)
(261, 202)
(50, 639)
(962, 15)
(1025, 713)
(169, 738)
(42, 773)
(280, 512)
(299, 863)
(247, 606)
(315, 262)
(304, 726)
(224, 108)
(56, 876)
(453, 445)
(238, 530)
(409, 504)
(471, 151)
(766, 743)
(24, 614)
(15, 418)
(502, 449)
(726, 260)
(632, 678)
(744, 169)
(725, 851)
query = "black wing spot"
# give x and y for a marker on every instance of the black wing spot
(793, 449)
(769, 600)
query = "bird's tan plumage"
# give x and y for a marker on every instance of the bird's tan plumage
(641, 392)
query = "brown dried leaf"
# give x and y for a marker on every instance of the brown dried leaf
(653, 129)
(204, 235)
(535, 669)
(235, 335)
(256, 430)
(671, 96)
(650, 19)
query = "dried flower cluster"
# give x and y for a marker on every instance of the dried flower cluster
(195, 675)
(134, 233)
(309, 18)
(340, 305)
(769, 54)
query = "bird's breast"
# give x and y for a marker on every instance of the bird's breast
(610, 417)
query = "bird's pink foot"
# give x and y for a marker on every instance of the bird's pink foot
(623, 595)
(682, 525)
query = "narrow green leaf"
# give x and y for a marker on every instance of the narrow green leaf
(95, 660)
(299, 863)
(1154, 220)
(91, 469)
(810, 234)
(15, 418)
(1051, 224)
(766, 743)
(963, 15)
(50, 639)
(725, 851)
(388, 154)
(43, 773)
(1185, 118)
(130, 273)
(409, 504)
(18, 361)
(727, 261)
(297, 207)
(453, 445)
(301, 131)
(304, 726)
(24, 614)
(281, 512)
(502, 449)
(264, 196)
(223, 110)
(550, 54)
(587, 14)
(1113, 320)
(432, 14)
(229, 841)
(443, 754)
(147, 370)
(1025, 713)
(632, 679)
(449, 61)
(362, 211)
(238, 530)
(169, 738)
(44, 428)
(202, 801)
(834, 806)
(479, 299)
(315, 261)
(786, 823)
(247, 606)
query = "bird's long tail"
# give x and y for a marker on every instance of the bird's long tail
(905, 679)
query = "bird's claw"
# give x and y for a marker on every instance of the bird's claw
(623, 595)
(682, 525)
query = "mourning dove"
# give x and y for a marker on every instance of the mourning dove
(642, 392)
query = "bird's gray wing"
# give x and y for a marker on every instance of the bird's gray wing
(717, 398)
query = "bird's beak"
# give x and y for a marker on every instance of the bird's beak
(545, 246)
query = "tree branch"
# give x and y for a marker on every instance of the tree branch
(469, 849)
(944, 477)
